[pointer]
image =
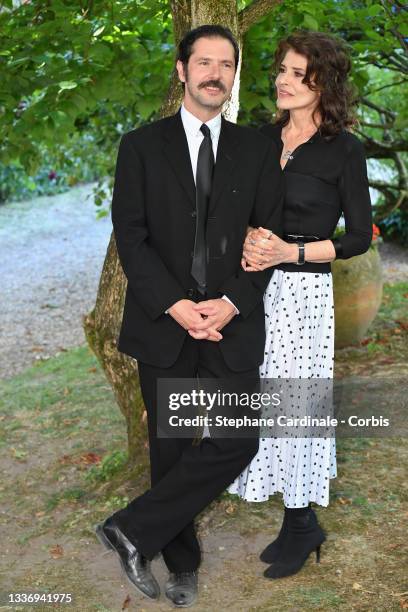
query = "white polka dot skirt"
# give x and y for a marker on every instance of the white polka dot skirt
(299, 315)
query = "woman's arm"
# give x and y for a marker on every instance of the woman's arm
(355, 202)
(262, 251)
(356, 205)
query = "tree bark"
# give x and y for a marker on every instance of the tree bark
(101, 327)
(102, 324)
(254, 12)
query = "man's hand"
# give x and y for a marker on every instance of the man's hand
(215, 314)
(184, 313)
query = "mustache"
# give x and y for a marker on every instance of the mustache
(213, 83)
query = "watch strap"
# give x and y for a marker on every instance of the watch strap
(301, 258)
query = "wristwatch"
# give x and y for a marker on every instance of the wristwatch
(301, 258)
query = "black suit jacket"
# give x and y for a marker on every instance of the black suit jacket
(153, 214)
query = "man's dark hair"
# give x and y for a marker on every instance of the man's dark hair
(185, 47)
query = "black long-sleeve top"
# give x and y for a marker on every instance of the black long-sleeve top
(324, 179)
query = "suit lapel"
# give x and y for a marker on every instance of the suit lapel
(178, 156)
(225, 162)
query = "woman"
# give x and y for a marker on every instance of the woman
(325, 175)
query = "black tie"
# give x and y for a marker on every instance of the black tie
(205, 168)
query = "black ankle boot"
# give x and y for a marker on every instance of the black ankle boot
(271, 552)
(303, 535)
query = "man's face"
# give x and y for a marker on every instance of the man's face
(209, 75)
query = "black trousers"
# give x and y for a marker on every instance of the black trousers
(185, 476)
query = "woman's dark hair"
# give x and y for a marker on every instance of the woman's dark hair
(328, 68)
(185, 47)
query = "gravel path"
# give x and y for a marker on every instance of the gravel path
(394, 259)
(51, 254)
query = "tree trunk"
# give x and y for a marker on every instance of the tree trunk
(102, 329)
(103, 323)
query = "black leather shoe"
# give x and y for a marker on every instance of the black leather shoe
(182, 589)
(134, 564)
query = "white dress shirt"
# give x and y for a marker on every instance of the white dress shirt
(195, 136)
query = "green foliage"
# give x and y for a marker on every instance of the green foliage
(395, 226)
(77, 75)
(393, 309)
(80, 71)
(111, 464)
(72, 164)
(366, 27)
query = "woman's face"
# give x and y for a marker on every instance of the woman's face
(291, 92)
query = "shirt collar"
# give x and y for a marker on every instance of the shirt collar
(192, 124)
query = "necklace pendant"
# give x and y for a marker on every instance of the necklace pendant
(287, 155)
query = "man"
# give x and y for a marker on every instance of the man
(186, 189)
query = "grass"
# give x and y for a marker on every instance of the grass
(63, 453)
(60, 416)
(386, 339)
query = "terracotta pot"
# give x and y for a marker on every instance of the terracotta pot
(357, 286)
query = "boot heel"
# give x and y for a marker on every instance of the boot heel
(304, 535)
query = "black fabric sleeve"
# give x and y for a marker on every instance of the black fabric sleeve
(151, 282)
(246, 289)
(355, 202)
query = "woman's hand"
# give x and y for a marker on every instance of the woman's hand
(263, 249)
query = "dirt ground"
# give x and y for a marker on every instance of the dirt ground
(62, 450)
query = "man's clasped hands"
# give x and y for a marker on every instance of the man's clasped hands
(204, 320)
